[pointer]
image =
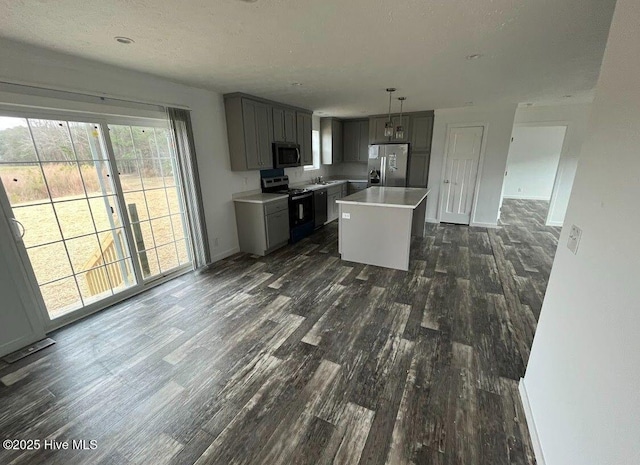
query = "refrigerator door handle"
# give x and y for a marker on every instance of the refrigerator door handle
(383, 170)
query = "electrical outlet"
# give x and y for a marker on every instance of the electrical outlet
(346, 216)
(574, 239)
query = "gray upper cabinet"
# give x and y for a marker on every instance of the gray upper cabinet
(376, 129)
(304, 126)
(355, 140)
(331, 135)
(421, 133)
(284, 125)
(250, 133)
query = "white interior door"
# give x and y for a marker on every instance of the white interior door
(461, 172)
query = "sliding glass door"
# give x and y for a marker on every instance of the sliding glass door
(68, 186)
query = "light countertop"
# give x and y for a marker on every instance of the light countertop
(260, 198)
(394, 197)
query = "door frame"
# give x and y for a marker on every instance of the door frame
(559, 168)
(17, 246)
(443, 171)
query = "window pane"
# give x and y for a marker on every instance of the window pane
(24, 183)
(86, 141)
(84, 253)
(52, 140)
(63, 180)
(149, 263)
(130, 175)
(179, 228)
(157, 202)
(75, 218)
(139, 210)
(183, 251)
(162, 231)
(95, 284)
(174, 200)
(97, 179)
(168, 257)
(40, 225)
(15, 141)
(122, 143)
(113, 245)
(104, 210)
(61, 297)
(49, 262)
(126, 267)
(142, 235)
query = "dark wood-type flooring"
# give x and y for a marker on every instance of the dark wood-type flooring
(300, 358)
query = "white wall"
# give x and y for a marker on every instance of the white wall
(533, 162)
(498, 121)
(583, 377)
(575, 117)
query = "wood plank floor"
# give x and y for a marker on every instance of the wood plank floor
(300, 358)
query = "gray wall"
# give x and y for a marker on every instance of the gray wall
(498, 121)
(583, 375)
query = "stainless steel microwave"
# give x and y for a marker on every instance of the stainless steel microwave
(286, 155)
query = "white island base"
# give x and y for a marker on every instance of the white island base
(376, 225)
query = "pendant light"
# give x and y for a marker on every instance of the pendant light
(400, 127)
(388, 126)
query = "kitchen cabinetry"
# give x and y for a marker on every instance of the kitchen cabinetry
(334, 193)
(262, 227)
(421, 132)
(355, 141)
(418, 169)
(304, 128)
(331, 134)
(356, 186)
(284, 125)
(250, 133)
(376, 129)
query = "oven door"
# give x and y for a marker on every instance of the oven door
(301, 209)
(286, 155)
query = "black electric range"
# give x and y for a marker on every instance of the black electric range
(301, 221)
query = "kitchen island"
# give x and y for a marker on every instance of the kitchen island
(376, 225)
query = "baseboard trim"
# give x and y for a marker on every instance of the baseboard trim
(525, 197)
(431, 220)
(484, 225)
(533, 432)
(225, 254)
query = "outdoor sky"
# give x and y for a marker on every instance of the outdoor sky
(7, 122)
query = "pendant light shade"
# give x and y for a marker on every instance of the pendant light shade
(400, 127)
(388, 125)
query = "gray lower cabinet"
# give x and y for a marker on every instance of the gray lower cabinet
(284, 125)
(262, 227)
(418, 169)
(356, 186)
(355, 141)
(250, 133)
(304, 126)
(333, 194)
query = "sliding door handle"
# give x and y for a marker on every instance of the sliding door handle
(446, 181)
(19, 229)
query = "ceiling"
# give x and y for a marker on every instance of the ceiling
(343, 52)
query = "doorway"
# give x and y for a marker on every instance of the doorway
(462, 158)
(531, 174)
(62, 191)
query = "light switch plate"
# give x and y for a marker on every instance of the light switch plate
(574, 238)
(346, 216)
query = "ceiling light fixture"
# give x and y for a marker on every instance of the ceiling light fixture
(388, 126)
(475, 56)
(400, 127)
(124, 40)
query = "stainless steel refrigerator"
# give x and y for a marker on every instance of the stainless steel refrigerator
(388, 165)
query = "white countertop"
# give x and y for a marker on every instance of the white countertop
(395, 197)
(260, 198)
